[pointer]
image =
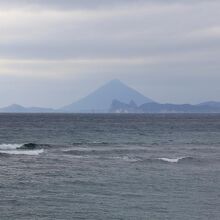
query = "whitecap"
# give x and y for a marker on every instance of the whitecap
(171, 160)
(23, 152)
(10, 146)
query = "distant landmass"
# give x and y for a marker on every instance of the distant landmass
(120, 107)
(21, 109)
(101, 99)
(117, 97)
(210, 104)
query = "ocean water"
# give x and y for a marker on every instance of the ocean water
(103, 166)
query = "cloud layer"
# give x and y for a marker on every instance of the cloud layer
(140, 42)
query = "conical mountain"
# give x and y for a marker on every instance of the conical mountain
(101, 99)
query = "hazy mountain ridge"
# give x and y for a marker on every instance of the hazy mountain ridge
(210, 103)
(15, 108)
(119, 107)
(116, 97)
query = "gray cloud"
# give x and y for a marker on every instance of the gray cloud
(88, 4)
(139, 31)
(148, 44)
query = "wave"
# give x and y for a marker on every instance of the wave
(22, 152)
(152, 160)
(122, 158)
(18, 146)
(128, 155)
(21, 149)
(173, 160)
(30, 146)
(10, 146)
(93, 143)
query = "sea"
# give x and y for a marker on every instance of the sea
(110, 166)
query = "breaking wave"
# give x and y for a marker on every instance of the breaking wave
(129, 155)
(173, 160)
(23, 152)
(10, 146)
(20, 149)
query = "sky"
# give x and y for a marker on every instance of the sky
(53, 52)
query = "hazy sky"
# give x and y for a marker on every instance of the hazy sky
(52, 52)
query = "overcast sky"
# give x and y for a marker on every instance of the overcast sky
(53, 52)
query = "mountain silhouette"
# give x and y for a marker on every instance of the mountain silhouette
(101, 99)
(153, 107)
(15, 108)
(117, 97)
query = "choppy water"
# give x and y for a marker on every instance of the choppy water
(154, 167)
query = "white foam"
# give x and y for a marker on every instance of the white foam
(127, 158)
(171, 160)
(10, 146)
(23, 152)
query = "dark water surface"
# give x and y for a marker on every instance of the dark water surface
(154, 167)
